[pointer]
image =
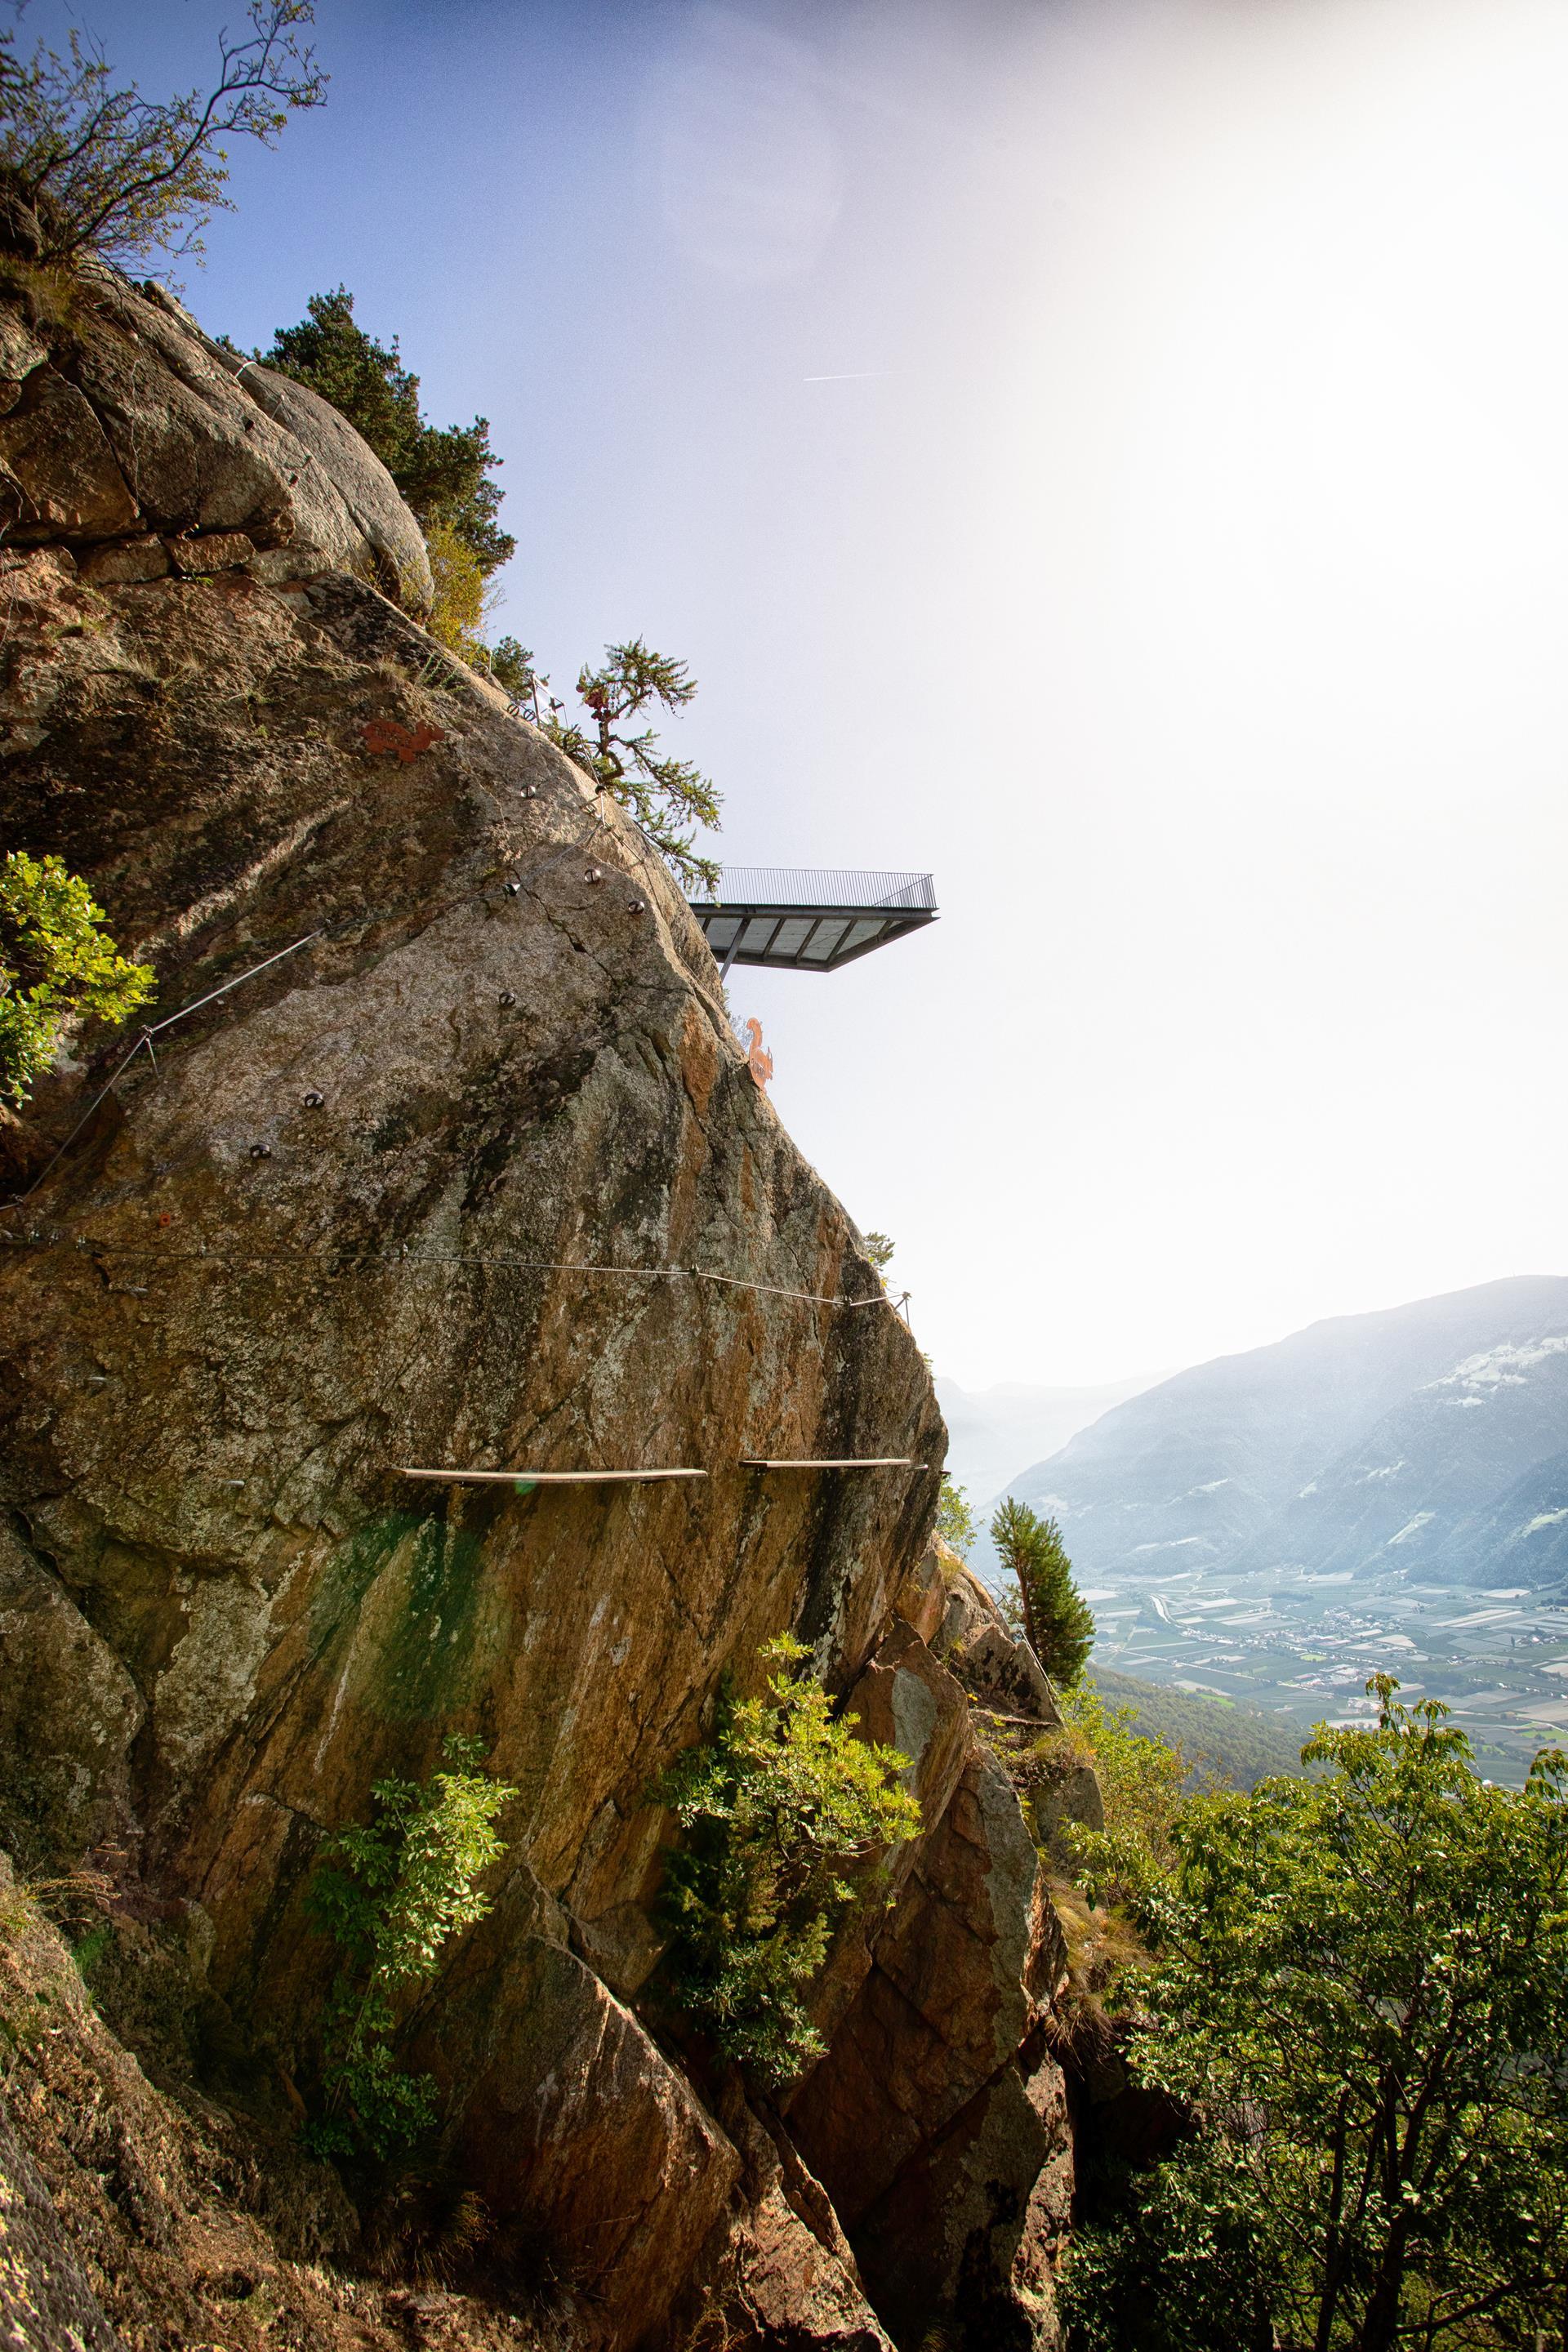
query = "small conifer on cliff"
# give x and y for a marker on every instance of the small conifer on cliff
(443, 472)
(1057, 1621)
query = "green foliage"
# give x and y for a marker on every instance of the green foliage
(880, 1249)
(1142, 1783)
(458, 615)
(1360, 1999)
(108, 172)
(1182, 2268)
(777, 1810)
(1058, 1622)
(667, 797)
(955, 1522)
(91, 1948)
(511, 665)
(1243, 1745)
(465, 606)
(391, 1893)
(56, 965)
(443, 471)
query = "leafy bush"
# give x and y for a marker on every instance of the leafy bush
(442, 471)
(776, 1809)
(1180, 2269)
(105, 171)
(1360, 2000)
(881, 1249)
(1142, 1784)
(1058, 1622)
(457, 616)
(56, 965)
(955, 1522)
(465, 605)
(392, 1894)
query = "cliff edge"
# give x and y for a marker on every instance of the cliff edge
(452, 1162)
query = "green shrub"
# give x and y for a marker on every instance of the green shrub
(1143, 1781)
(881, 1249)
(1179, 2264)
(56, 965)
(955, 1522)
(465, 606)
(1058, 1622)
(391, 1895)
(776, 1809)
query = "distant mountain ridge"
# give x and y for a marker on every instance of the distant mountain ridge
(991, 1431)
(1431, 1437)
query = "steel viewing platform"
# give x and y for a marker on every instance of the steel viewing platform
(795, 919)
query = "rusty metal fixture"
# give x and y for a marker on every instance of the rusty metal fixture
(391, 735)
(759, 1061)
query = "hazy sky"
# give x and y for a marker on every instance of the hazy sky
(1113, 456)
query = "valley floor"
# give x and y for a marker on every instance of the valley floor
(1304, 1646)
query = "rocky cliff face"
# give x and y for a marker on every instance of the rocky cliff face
(453, 1163)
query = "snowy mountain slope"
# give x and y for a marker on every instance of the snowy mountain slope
(1427, 1437)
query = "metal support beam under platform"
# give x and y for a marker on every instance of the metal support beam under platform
(792, 919)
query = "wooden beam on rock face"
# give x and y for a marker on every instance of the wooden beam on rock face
(863, 1462)
(546, 1478)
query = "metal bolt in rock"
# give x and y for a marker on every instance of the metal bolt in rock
(313, 1101)
(506, 997)
(261, 1152)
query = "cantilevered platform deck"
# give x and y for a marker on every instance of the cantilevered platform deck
(793, 918)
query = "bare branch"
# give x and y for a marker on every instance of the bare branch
(111, 172)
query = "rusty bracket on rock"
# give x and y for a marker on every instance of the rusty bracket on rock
(391, 735)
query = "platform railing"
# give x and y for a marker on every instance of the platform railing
(798, 885)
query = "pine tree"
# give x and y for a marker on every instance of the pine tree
(443, 471)
(1058, 1622)
(668, 797)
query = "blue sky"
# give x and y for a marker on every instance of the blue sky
(1107, 454)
